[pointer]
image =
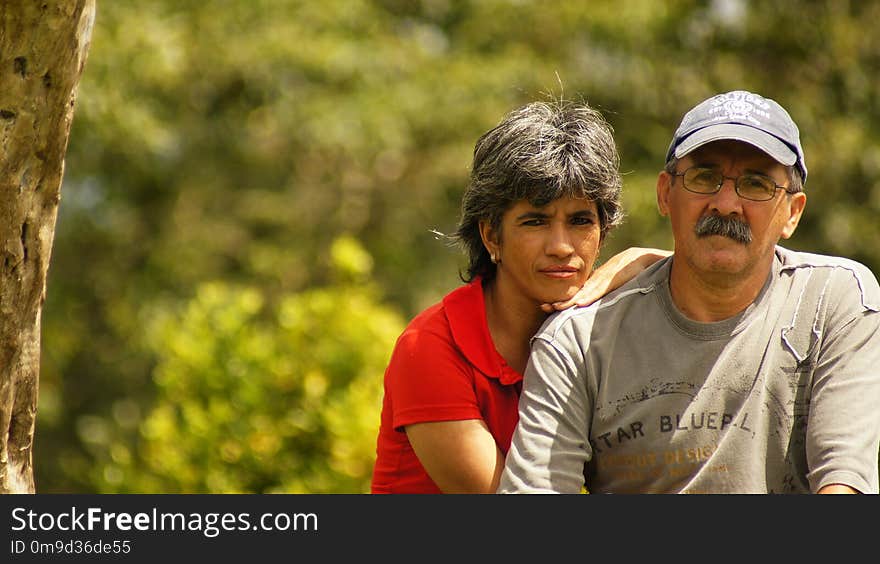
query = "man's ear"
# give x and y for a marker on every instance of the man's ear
(796, 205)
(664, 186)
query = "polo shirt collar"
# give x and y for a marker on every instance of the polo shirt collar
(466, 313)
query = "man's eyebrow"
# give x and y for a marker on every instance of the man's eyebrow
(715, 165)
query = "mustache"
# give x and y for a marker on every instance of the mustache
(725, 226)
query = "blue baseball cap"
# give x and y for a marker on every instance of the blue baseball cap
(741, 116)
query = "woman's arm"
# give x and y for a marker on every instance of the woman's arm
(615, 272)
(837, 489)
(460, 456)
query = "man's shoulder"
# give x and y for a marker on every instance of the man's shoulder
(842, 274)
(610, 306)
(802, 259)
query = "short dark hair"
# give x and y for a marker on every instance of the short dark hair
(539, 152)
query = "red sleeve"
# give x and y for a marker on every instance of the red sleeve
(429, 380)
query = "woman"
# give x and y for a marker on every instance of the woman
(544, 192)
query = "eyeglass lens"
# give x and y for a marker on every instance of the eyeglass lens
(749, 186)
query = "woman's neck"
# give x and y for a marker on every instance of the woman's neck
(513, 319)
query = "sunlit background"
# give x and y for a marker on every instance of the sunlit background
(251, 188)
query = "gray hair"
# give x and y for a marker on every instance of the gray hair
(539, 152)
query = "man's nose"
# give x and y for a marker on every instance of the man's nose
(726, 200)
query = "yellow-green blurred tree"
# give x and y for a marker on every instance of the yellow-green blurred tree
(260, 397)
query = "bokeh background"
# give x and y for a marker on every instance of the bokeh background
(251, 188)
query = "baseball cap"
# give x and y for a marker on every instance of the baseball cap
(742, 116)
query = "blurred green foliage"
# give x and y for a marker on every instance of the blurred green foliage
(263, 397)
(235, 164)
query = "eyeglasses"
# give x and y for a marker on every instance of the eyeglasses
(755, 187)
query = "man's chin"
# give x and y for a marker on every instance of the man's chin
(725, 263)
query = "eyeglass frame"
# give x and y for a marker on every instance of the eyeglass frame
(735, 179)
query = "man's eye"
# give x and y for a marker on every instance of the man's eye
(757, 183)
(582, 220)
(706, 176)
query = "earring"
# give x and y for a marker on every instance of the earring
(493, 258)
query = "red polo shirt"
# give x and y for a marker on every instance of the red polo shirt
(444, 368)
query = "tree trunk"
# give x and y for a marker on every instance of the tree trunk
(43, 48)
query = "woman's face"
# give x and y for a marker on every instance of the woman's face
(546, 253)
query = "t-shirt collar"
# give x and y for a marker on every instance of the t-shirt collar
(466, 312)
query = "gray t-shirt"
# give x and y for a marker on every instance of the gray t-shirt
(630, 396)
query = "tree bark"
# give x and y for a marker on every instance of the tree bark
(43, 48)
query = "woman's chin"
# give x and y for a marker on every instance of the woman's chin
(560, 296)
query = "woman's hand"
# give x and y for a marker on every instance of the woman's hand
(616, 271)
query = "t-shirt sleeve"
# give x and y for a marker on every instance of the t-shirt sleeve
(550, 445)
(844, 427)
(429, 380)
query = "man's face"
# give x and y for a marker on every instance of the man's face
(692, 215)
(546, 253)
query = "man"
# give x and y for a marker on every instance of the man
(733, 366)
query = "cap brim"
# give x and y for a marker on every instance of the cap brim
(778, 150)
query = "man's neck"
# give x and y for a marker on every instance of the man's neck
(708, 297)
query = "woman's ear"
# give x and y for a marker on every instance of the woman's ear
(490, 238)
